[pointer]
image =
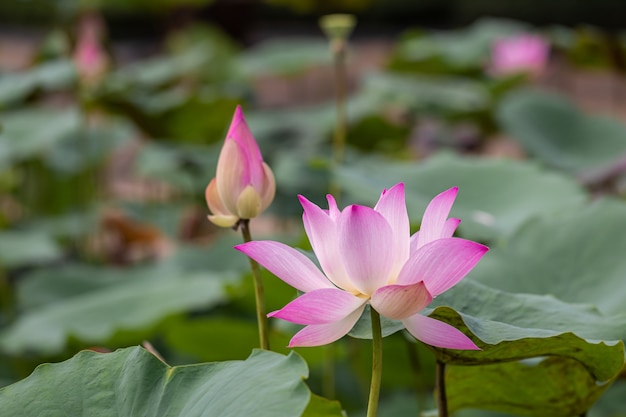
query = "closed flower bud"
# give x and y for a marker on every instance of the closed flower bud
(244, 185)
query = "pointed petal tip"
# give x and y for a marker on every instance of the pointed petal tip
(304, 202)
(241, 246)
(399, 185)
(238, 112)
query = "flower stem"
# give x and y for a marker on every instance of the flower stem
(258, 289)
(377, 364)
(339, 57)
(440, 382)
(338, 47)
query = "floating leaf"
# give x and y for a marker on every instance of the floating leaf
(50, 75)
(577, 257)
(143, 299)
(321, 407)
(27, 133)
(284, 56)
(495, 197)
(557, 133)
(541, 343)
(516, 333)
(21, 248)
(132, 382)
(464, 49)
(425, 94)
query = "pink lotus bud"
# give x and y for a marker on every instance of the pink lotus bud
(89, 57)
(521, 54)
(244, 185)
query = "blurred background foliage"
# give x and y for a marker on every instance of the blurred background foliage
(104, 240)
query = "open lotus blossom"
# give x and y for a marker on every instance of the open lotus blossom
(368, 256)
(521, 54)
(244, 185)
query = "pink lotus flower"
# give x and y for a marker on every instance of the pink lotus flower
(90, 59)
(244, 185)
(518, 55)
(368, 256)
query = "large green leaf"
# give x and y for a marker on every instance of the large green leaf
(464, 49)
(423, 94)
(548, 347)
(495, 197)
(516, 333)
(28, 133)
(51, 75)
(577, 257)
(284, 56)
(21, 248)
(133, 300)
(132, 382)
(556, 132)
(188, 168)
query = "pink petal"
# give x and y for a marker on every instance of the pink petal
(220, 215)
(229, 174)
(251, 157)
(287, 264)
(392, 206)
(213, 199)
(435, 216)
(322, 232)
(268, 190)
(333, 211)
(401, 301)
(323, 334)
(323, 306)
(366, 247)
(448, 231)
(437, 333)
(414, 241)
(450, 227)
(442, 263)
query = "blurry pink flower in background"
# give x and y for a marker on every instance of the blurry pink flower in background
(520, 54)
(367, 255)
(90, 58)
(244, 185)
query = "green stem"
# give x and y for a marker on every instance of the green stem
(258, 289)
(377, 364)
(440, 382)
(339, 56)
(339, 137)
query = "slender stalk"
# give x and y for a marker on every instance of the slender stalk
(339, 138)
(258, 289)
(440, 382)
(339, 57)
(377, 364)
